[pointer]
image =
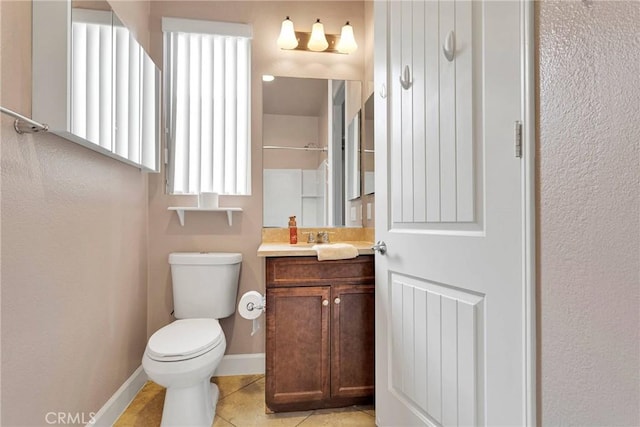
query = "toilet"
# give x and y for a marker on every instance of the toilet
(183, 355)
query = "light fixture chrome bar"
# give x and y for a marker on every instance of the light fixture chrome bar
(24, 124)
(281, 147)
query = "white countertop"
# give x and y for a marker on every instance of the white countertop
(304, 249)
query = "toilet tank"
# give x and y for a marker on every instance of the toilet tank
(205, 284)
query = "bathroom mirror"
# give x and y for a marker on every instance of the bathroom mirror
(93, 83)
(368, 148)
(304, 134)
(92, 30)
(352, 158)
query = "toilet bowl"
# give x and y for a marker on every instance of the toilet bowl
(184, 355)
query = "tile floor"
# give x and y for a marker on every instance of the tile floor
(241, 404)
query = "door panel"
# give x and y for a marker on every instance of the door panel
(435, 175)
(435, 347)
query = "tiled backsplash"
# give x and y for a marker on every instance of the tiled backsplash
(336, 234)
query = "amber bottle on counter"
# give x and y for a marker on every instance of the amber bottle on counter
(293, 230)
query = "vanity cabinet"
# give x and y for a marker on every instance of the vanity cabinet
(320, 333)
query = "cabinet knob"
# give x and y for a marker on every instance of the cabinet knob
(337, 300)
(325, 302)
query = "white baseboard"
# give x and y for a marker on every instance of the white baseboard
(241, 364)
(115, 406)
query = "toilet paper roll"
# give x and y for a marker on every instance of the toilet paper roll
(208, 200)
(251, 307)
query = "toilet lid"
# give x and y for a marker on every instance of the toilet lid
(184, 339)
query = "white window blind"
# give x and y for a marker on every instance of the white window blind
(207, 86)
(91, 83)
(114, 89)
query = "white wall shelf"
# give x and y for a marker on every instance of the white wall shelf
(181, 210)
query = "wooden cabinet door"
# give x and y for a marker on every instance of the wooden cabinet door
(352, 340)
(297, 365)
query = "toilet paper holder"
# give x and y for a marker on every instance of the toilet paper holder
(251, 306)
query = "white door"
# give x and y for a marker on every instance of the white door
(452, 333)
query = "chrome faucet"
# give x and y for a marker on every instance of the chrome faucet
(311, 238)
(323, 236)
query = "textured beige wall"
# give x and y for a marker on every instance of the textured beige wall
(135, 16)
(210, 232)
(589, 197)
(74, 265)
(291, 131)
(1, 131)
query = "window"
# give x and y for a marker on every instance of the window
(207, 106)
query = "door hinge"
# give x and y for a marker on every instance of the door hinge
(518, 138)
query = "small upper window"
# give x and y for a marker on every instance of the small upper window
(207, 69)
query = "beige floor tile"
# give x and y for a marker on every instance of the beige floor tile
(370, 412)
(231, 384)
(242, 405)
(367, 409)
(246, 408)
(338, 417)
(146, 408)
(219, 422)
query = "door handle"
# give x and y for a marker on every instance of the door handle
(380, 246)
(336, 301)
(325, 302)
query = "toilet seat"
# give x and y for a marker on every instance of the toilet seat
(184, 339)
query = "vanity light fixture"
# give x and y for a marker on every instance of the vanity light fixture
(268, 78)
(317, 40)
(287, 38)
(347, 43)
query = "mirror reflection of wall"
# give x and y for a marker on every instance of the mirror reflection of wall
(303, 150)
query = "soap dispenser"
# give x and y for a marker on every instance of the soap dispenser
(293, 230)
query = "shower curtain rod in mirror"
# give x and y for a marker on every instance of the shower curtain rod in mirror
(23, 124)
(282, 147)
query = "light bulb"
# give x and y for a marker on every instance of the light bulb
(347, 43)
(317, 41)
(287, 38)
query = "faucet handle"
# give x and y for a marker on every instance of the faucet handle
(323, 236)
(311, 238)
